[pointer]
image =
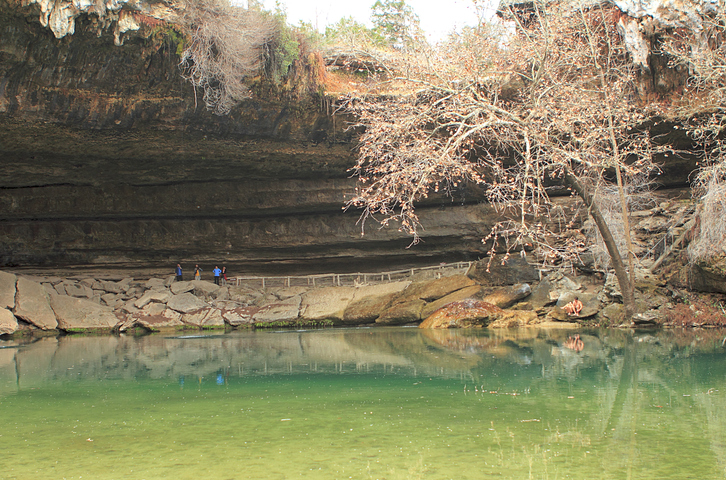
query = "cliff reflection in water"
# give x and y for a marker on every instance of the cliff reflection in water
(470, 354)
(603, 404)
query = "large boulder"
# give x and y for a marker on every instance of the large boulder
(78, 290)
(76, 314)
(33, 306)
(238, 315)
(111, 299)
(515, 319)
(506, 297)
(380, 290)
(177, 288)
(540, 296)
(590, 307)
(206, 318)
(443, 286)
(114, 287)
(287, 310)
(206, 290)
(153, 309)
(287, 292)
(166, 320)
(7, 290)
(367, 309)
(464, 314)
(185, 303)
(455, 296)
(8, 322)
(612, 314)
(247, 295)
(370, 300)
(709, 276)
(326, 303)
(511, 271)
(402, 313)
(155, 296)
(155, 284)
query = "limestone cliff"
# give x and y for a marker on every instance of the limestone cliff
(110, 158)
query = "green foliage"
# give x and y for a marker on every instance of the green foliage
(348, 27)
(172, 34)
(395, 22)
(284, 48)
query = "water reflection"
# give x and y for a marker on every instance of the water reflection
(369, 403)
(404, 351)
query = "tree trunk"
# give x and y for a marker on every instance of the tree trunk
(621, 273)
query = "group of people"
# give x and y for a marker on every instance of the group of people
(220, 275)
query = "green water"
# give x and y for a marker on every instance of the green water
(385, 403)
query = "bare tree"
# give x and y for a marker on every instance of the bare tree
(224, 49)
(555, 105)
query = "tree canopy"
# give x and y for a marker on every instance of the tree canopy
(554, 104)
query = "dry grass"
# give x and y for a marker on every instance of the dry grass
(710, 240)
(698, 311)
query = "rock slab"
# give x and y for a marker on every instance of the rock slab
(32, 305)
(7, 290)
(81, 314)
(8, 322)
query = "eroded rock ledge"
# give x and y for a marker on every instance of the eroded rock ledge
(495, 296)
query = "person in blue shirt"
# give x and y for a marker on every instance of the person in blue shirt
(178, 273)
(216, 273)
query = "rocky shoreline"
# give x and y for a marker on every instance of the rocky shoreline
(510, 295)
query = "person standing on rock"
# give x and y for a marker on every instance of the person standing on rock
(217, 272)
(178, 273)
(224, 275)
(197, 272)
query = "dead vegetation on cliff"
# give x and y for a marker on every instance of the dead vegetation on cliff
(224, 50)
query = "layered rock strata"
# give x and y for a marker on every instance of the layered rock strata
(110, 159)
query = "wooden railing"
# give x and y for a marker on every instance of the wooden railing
(352, 279)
